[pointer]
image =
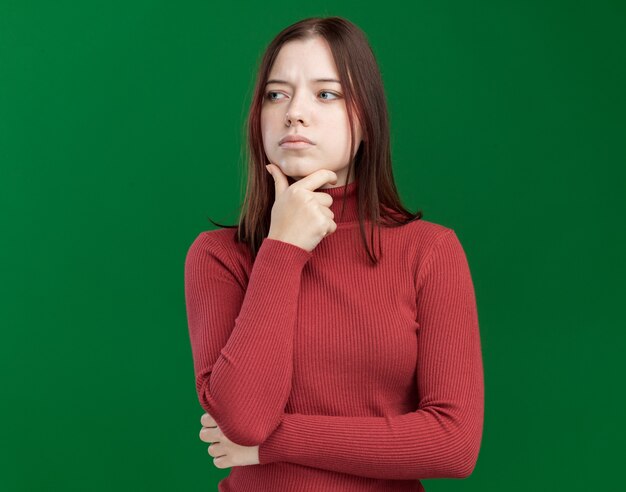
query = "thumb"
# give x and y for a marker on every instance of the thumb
(280, 180)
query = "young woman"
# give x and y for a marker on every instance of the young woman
(322, 362)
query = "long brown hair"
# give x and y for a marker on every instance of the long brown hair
(360, 78)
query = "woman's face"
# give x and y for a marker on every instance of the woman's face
(300, 105)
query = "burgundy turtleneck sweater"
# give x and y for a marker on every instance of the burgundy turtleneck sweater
(349, 377)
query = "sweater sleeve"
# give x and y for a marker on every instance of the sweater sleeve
(441, 439)
(242, 336)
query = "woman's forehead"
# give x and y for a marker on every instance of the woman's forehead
(311, 59)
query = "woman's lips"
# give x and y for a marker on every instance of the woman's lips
(296, 145)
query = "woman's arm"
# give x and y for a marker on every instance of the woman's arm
(442, 438)
(242, 336)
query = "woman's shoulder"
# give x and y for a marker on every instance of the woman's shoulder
(425, 232)
(219, 250)
(224, 236)
(422, 237)
(221, 241)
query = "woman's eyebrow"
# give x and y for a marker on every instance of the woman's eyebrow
(277, 81)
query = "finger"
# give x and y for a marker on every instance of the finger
(216, 450)
(221, 462)
(210, 434)
(280, 180)
(327, 212)
(323, 198)
(207, 421)
(317, 179)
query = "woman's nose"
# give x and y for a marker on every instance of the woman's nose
(297, 112)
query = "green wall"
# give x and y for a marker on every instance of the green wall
(120, 132)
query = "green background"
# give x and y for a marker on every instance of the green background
(120, 133)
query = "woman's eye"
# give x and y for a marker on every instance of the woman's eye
(269, 95)
(331, 93)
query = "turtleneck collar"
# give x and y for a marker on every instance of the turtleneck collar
(350, 212)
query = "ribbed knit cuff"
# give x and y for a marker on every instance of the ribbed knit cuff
(284, 251)
(272, 449)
